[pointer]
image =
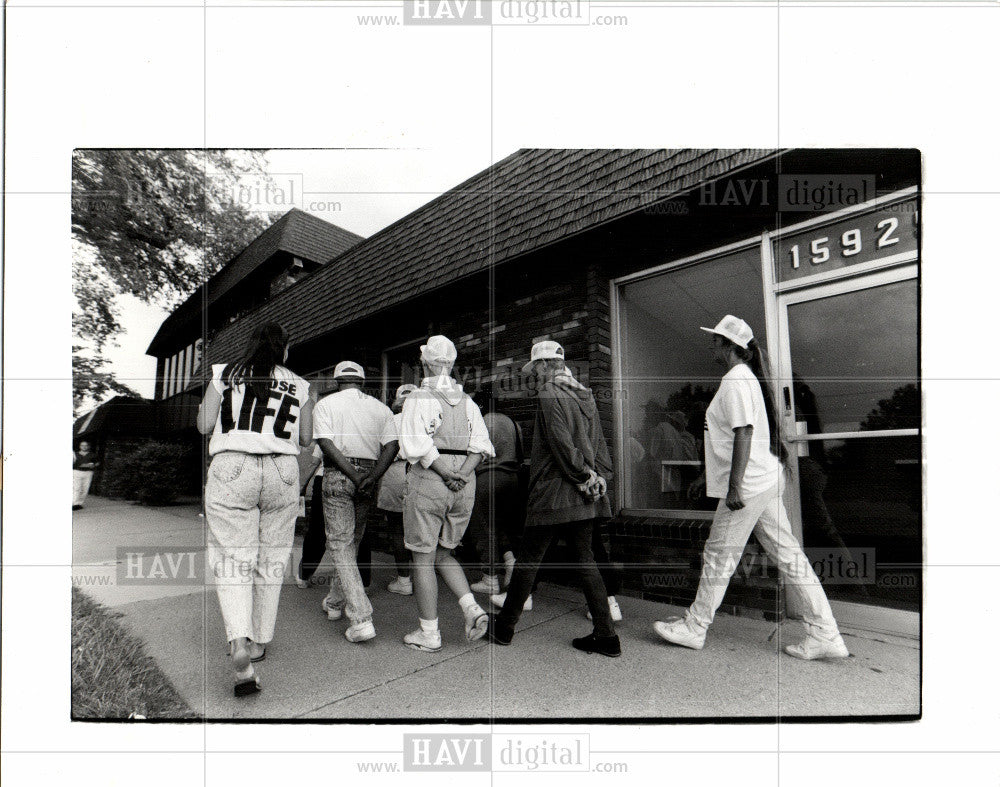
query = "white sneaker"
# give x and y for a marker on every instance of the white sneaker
(401, 585)
(679, 633)
(476, 621)
(490, 584)
(498, 600)
(332, 613)
(427, 641)
(301, 584)
(360, 632)
(616, 611)
(814, 648)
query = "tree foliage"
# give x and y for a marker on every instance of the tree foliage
(154, 224)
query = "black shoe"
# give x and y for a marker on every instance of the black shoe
(606, 646)
(77, 508)
(498, 635)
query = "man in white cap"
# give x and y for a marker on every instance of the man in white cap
(567, 495)
(349, 426)
(444, 438)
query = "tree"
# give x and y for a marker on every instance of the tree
(154, 224)
(900, 411)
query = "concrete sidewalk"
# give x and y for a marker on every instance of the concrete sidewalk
(312, 672)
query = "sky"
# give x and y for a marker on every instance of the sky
(360, 190)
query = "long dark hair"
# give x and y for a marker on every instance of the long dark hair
(256, 368)
(753, 357)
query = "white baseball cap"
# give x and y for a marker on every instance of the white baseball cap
(545, 351)
(439, 350)
(405, 390)
(348, 369)
(734, 329)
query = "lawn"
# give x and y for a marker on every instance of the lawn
(113, 676)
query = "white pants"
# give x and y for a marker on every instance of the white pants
(81, 485)
(764, 514)
(251, 502)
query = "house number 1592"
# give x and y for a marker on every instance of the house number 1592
(850, 243)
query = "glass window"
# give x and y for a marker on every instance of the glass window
(854, 355)
(668, 376)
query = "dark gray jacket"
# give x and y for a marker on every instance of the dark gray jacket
(567, 440)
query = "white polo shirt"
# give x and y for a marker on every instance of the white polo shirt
(738, 402)
(253, 427)
(354, 421)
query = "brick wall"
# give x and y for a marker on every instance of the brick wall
(662, 560)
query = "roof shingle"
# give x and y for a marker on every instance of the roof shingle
(297, 232)
(524, 202)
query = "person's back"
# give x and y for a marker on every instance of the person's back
(250, 426)
(354, 421)
(568, 435)
(503, 435)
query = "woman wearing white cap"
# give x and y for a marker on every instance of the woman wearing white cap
(744, 459)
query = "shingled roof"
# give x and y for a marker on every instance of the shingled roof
(526, 201)
(297, 232)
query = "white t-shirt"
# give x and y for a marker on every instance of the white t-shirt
(253, 427)
(354, 421)
(738, 402)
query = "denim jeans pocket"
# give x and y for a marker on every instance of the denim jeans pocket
(287, 468)
(226, 467)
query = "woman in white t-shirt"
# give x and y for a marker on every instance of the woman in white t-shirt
(744, 459)
(258, 413)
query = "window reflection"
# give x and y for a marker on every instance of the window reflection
(857, 354)
(668, 376)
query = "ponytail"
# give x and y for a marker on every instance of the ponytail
(753, 357)
(256, 369)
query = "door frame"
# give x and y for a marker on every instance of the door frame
(870, 616)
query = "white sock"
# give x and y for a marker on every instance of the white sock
(430, 626)
(467, 602)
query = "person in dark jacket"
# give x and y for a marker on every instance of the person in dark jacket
(567, 492)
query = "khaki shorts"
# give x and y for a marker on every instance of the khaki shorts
(433, 515)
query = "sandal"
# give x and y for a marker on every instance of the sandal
(261, 657)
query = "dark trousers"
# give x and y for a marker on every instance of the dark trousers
(610, 573)
(579, 537)
(498, 503)
(314, 542)
(365, 557)
(402, 556)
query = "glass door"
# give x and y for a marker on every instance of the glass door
(850, 400)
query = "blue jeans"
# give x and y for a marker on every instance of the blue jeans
(251, 502)
(345, 513)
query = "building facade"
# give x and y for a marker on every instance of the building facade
(621, 256)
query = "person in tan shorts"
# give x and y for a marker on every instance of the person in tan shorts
(444, 438)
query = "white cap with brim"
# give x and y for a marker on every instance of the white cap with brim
(545, 351)
(734, 329)
(348, 369)
(404, 390)
(439, 350)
